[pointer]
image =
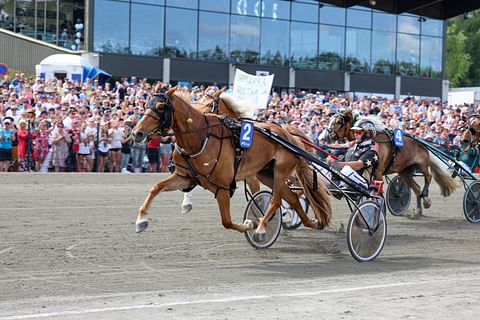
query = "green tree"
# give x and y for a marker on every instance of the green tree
(458, 61)
(463, 50)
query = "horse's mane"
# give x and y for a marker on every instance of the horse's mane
(243, 108)
(184, 96)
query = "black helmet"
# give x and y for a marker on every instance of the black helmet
(367, 127)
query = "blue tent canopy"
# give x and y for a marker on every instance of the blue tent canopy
(92, 72)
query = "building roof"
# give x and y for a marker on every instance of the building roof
(437, 9)
(64, 60)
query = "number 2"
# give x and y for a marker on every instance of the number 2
(246, 132)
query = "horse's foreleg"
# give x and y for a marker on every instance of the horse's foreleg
(407, 176)
(187, 204)
(173, 182)
(223, 201)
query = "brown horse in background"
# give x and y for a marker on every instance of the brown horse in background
(205, 155)
(403, 161)
(471, 136)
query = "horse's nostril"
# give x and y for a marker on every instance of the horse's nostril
(139, 134)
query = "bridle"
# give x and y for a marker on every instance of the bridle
(215, 104)
(163, 117)
(475, 135)
(332, 133)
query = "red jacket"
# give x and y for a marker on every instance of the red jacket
(153, 143)
(22, 143)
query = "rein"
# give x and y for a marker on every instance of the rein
(184, 153)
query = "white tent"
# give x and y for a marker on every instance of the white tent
(69, 66)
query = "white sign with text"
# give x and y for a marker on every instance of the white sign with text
(254, 89)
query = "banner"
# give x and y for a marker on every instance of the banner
(254, 89)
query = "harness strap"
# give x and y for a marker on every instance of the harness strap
(196, 174)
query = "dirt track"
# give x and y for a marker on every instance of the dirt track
(68, 250)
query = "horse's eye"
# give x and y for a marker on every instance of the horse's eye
(158, 105)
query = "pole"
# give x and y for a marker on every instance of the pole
(97, 143)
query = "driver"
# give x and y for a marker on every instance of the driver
(362, 158)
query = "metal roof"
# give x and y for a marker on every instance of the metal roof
(437, 9)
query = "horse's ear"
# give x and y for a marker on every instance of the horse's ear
(171, 91)
(218, 92)
(158, 86)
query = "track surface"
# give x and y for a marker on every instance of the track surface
(68, 250)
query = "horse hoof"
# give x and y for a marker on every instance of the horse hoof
(341, 228)
(413, 216)
(141, 226)
(187, 208)
(427, 203)
(260, 237)
(249, 223)
(317, 225)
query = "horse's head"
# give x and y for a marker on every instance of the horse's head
(339, 125)
(158, 116)
(471, 135)
(210, 102)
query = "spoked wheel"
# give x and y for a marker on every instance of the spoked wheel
(398, 196)
(471, 202)
(366, 231)
(290, 218)
(255, 210)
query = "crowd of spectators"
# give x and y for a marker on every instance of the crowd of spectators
(57, 125)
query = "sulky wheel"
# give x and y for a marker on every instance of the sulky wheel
(366, 231)
(290, 218)
(471, 202)
(255, 210)
(398, 196)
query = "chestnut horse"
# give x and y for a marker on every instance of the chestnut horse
(205, 155)
(222, 104)
(209, 103)
(403, 161)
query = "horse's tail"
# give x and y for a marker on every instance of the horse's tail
(316, 192)
(442, 177)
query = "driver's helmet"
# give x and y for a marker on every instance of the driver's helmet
(368, 128)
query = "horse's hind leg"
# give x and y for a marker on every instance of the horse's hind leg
(173, 182)
(427, 202)
(292, 199)
(281, 191)
(407, 176)
(253, 184)
(223, 201)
